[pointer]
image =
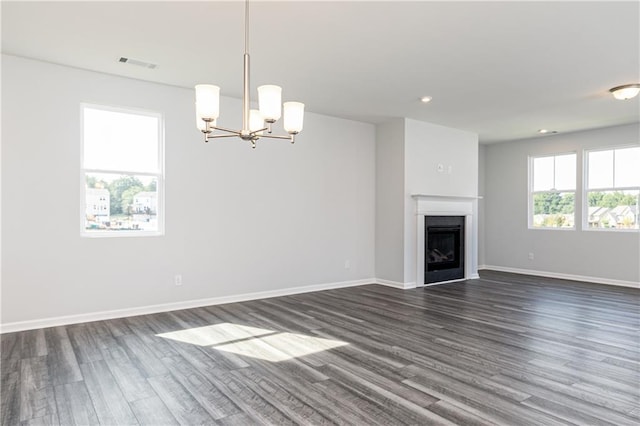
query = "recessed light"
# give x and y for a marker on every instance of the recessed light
(546, 132)
(425, 99)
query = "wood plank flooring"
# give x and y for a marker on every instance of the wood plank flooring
(505, 349)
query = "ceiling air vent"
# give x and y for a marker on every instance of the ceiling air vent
(137, 62)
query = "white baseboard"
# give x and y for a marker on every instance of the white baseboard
(572, 277)
(395, 284)
(165, 307)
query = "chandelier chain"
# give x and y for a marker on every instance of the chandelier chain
(246, 26)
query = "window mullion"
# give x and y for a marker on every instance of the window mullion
(122, 172)
(613, 170)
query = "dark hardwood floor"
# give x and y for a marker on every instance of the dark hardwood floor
(505, 349)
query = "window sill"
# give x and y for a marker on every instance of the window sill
(616, 230)
(546, 228)
(123, 234)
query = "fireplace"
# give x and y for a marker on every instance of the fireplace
(428, 206)
(444, 248)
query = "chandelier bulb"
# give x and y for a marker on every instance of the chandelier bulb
(293, 117)
(270, 102)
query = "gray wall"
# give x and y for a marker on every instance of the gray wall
(482, 154)
(389, 201)
(238, 220)
(507, 240)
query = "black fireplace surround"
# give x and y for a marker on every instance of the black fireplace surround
(443, 248)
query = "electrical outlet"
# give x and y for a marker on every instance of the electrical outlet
(440, 168)
(530, 256)
(177, 280)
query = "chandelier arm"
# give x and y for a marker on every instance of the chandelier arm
(224, 129)
(261, 130)
(222, 136)
(290, 137)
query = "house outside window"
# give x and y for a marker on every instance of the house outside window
(612, 189)
(122, 172)
(552, 189)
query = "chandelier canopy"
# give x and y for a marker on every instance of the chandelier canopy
(254, 121)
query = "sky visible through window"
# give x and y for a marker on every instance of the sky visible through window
(555, 173)
(120, 141)
(618, 168)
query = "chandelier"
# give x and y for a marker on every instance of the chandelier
(254, 122)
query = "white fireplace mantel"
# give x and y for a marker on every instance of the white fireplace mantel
(448, 205)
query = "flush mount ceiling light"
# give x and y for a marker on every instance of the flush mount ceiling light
(254, 121)
(625, 92)
(426, 99)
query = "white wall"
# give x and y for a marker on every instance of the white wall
(428, 145)
(237, 220)
(605, 256)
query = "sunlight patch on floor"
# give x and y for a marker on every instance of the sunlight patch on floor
(268, 345)
(215, 334)
(280, 346)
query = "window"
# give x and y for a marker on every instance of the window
(612, 189)
(552, 190)
(122, 172)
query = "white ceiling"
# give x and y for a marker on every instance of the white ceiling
(501, 69)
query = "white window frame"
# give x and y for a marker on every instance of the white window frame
(159, 175)
(531, 193)
(586, 189)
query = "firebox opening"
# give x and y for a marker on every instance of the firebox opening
(444, 248)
